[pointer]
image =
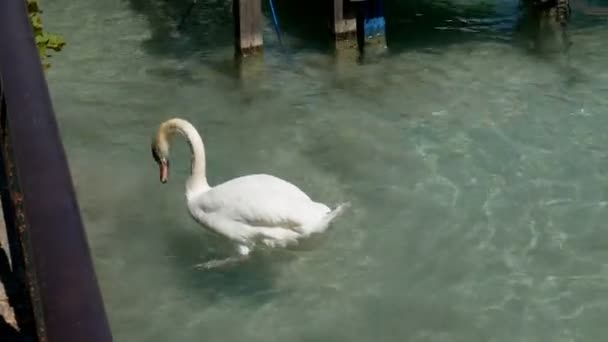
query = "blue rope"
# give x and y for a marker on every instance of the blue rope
(275, 21)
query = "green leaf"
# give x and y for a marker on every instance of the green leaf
(43, 40)
(55, 42)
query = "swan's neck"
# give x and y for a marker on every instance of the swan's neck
(197, 181)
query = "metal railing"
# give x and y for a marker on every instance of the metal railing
(48, 243)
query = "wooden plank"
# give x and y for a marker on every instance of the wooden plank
(59, 279)
(248, 26)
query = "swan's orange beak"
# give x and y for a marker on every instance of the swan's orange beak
(164, 172)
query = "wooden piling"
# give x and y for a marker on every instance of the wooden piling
(247, 26)
(344, 23)
(358, 23)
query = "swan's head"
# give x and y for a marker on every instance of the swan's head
(160, 152)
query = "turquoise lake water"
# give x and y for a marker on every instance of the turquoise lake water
(476, 166)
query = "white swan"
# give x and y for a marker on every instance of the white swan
(248, 210)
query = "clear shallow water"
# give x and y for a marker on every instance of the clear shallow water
(477, 171)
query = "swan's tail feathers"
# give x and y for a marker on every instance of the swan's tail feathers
(324, 223)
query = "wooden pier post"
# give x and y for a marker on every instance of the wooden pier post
(357, 23)
(344, 22)
(247, 26)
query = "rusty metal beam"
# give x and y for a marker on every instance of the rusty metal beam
(59, 272)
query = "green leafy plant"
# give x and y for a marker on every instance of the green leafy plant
(44, 40)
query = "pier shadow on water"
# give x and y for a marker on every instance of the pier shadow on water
(413, 25)
(419, 24)
(436, 24)
(208, 24)
(410, 25)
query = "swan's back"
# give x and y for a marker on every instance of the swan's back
(259, 184)
(262, 201)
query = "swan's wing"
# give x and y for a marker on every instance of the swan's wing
(262, 201)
